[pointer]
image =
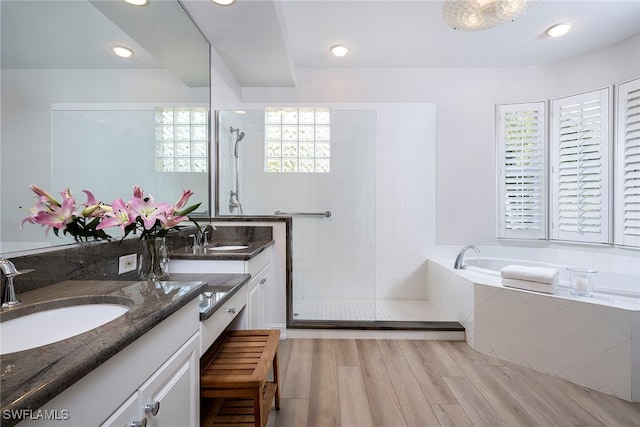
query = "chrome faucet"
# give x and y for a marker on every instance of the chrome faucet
(458, 264)
(10, 271)
(200, 239)
(208, 231)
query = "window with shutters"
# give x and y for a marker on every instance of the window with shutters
(521, 171)
(580, 153)
(627, 206)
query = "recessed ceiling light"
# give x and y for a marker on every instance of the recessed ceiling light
(339, 50)
(137, 2)
(122, 51)
(240, 112)
(224, 2)
(559, 30)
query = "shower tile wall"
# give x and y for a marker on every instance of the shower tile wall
(333, 257)
(392, 168)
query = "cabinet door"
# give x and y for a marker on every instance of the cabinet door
(254, 307)
(126, 415)
(170, 397)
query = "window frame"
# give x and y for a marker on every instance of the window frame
(604, 235)
(621, 238)
(535, 232)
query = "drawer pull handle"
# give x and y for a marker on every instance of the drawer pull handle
(152, 409)
(231, 310)
(142, 423)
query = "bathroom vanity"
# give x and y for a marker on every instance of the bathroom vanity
(143, 364)
(254, 260)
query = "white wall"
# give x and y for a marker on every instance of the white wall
(452, 202)
(465, 100)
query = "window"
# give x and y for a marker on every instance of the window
(627, 222)
(181, 139)
(580, 146)
(297, 140)
(521, 171)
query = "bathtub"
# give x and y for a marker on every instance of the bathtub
(591, 341)
(622, 290)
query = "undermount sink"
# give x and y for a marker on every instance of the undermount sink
(52, 322)
(226, 247)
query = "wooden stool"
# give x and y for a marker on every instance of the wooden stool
(236, 369)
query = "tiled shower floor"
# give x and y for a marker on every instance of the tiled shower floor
(365, 309)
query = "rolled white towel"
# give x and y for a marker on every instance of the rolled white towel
(532, 274)
(548, 288)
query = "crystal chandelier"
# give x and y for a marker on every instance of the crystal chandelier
(475, 15)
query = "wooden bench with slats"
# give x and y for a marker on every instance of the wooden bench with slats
(233, 378)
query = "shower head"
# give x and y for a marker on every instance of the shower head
(239, 137)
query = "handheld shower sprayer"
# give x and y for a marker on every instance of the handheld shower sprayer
(239, 137)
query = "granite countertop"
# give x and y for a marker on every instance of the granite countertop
(30, 378)
(220, 287)
(253, 249)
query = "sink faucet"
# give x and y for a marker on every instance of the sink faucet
(458, 264)
(9, 271)
(200, 238)
(208, 230)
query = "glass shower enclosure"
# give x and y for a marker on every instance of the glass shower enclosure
(319, 166)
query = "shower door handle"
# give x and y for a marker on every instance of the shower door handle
(325, 214)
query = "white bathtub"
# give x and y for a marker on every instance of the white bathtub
(592, 341)
(609, 286)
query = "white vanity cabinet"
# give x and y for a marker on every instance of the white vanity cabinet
(160, 366)
(169, 398)
(257, 314)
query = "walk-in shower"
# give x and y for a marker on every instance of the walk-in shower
(234, 196)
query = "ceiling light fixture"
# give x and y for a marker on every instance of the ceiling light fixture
(122, 51)
(475, 15)
(224, 2)
(137, 2)
(339, 50)
(559, 30)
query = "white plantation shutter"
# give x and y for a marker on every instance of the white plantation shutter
(628, 162)
(521, 152)
(580, 146)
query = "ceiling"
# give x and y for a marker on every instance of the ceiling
(263, 42)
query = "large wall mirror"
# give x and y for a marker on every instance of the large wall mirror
(75, 115)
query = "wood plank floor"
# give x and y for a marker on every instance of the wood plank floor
(395, 383)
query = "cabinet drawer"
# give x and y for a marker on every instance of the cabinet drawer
(211, 328)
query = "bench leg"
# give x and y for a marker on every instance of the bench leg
(275, 380)
(257, 407)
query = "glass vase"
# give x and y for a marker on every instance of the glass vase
(154, 259)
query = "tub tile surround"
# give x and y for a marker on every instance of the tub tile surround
(594, 345)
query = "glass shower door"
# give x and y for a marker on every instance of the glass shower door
(333, 256)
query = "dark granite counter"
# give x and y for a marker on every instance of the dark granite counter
(253, 249)
(31, 378)
(220, 287)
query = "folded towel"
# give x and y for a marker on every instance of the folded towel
(532, 274)
(548, 288)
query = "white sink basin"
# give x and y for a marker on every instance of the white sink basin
(227, 248)
(56, 324)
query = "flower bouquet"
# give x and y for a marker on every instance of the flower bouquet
(140, 214)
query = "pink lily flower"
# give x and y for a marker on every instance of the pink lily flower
(42, 193)
(137, 192)
(183, 200)
(173, 221)
(149, 211)
(58, 217)
(118, 215)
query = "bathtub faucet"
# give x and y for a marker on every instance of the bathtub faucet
(458, 264)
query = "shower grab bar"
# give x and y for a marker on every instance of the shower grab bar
(326, 214)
